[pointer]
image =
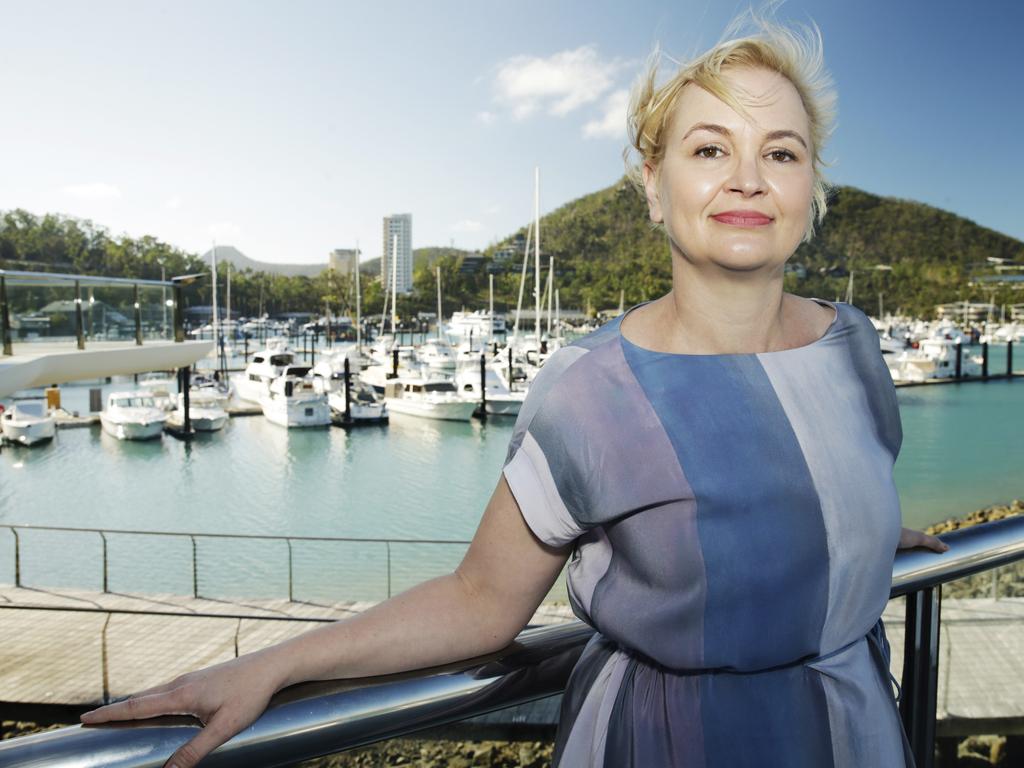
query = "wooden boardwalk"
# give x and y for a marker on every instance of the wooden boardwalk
(63, 647)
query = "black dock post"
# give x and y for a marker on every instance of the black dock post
(348, 377)
(79, 332)
(483, 386)
(510, 368)
(984, 359)
(1009, 358)
(959, 357)
(179, 325)
(186, 379)
(394, 362)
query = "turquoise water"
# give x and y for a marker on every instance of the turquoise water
(415, 479)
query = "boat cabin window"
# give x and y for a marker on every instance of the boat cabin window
(440, 386)
(31, 409)
(134, 402)
(257, 359)
(281, 360)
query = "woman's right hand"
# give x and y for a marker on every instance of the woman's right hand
(226, 698)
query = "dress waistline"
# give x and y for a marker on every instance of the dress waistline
(875, 637)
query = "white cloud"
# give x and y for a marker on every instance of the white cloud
(612, 124)
(557, 84)
(225, 232)
(485, 117)
(173, 203)
(467, 225)
(97, 190)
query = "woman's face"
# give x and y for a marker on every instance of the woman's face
(732, 191)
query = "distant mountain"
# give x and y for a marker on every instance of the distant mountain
(240, 261)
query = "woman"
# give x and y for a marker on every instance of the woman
(718, 462)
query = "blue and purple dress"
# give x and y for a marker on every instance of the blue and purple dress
(734, 520)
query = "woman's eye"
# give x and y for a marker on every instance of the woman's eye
(782, 155)
(709, 152)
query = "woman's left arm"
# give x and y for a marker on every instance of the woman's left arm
(911, 538)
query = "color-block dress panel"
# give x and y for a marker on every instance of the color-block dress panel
(735, 522)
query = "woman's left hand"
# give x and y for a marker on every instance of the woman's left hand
(911, 538)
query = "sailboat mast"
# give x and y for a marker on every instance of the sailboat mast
(394, 287)
(213, 315)
(536, 247)
(490, 305)
(359, 318)
(558, 322)
(522, 284)
(550, 289)
(227, 314)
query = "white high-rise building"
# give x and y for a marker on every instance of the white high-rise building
(343, 261)
(399, 224)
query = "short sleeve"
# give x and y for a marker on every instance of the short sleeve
(532, 467)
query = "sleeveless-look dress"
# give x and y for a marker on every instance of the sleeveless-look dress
(734, 521)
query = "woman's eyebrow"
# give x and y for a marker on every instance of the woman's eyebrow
(770, 136)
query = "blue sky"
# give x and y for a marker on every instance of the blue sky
(291, 128)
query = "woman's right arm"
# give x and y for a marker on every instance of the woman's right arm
(476, 610)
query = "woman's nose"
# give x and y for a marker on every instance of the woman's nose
(746, 176)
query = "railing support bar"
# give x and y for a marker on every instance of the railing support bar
(921, 673)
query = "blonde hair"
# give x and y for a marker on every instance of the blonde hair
(793, 52)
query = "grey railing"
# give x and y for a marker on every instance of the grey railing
(9, 278)
(103, 533)
(315, 719)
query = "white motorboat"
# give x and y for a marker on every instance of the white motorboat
(266, 366)
(205, 411)
(364, 405)
(161, 387)
(931, 359)
(132, 416)
(297, 399)
(27, 423)
(481, 324)
(436, 354)
(500, 400)
(427, 398)
(208, 387)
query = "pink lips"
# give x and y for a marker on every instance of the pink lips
(743, 218)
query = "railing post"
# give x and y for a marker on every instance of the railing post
(1009, 357)
(5, 318)
(179, 324)
(79, 331)
(17, 558)
(195, 574)
(348, 391)
(138, 318)
(921, 673)
(291, 593)
(959, 358)
(387, 544)
(984, 359)
(483, 386)
(104, 537)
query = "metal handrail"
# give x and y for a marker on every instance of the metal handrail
(21, 277)
(104, 532)
(315, 719)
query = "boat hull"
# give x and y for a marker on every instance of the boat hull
(129, 430)
(450, 411)
(29, 434)
(304, 413)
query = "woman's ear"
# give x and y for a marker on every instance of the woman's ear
(651, 189)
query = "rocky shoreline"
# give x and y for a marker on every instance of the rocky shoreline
(981, 750)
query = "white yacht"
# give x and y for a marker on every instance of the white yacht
(27, 423)
(132, 416)
(500, 400)
(205, 411)
(296, 399)
(428, 398)
(265, 367)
